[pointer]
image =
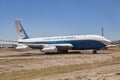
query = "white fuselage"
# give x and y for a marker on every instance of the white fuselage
(79, 42)
(68, 38)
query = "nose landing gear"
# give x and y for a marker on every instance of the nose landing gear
(94, 52)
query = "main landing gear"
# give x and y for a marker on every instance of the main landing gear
(62, 51)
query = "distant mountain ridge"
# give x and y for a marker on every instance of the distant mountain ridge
(116, 42)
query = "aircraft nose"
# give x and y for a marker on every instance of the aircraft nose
(107, 42)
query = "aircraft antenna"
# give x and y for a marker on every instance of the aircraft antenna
(102, 31)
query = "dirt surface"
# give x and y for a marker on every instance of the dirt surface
(34, 65)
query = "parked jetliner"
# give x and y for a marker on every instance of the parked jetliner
(60, 44)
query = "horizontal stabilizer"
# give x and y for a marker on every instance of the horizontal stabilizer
(9, 41)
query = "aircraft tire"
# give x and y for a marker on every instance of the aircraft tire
(62, 51)
(94, 52)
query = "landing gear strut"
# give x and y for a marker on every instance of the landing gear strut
(62, 51)
(94, 52)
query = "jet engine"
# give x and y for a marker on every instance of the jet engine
(21, 47)
(49, 48)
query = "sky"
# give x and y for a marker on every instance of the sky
(42, 18)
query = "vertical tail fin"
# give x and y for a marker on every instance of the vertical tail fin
(21, 32)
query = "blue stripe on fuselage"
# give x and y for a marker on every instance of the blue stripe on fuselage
(77, 44)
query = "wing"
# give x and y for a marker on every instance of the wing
(46, 47)
(42, 47)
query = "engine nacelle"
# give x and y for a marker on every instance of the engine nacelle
(21, 47)
(49, 48)
(52, 49)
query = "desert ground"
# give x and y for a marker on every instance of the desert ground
(35, 65)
